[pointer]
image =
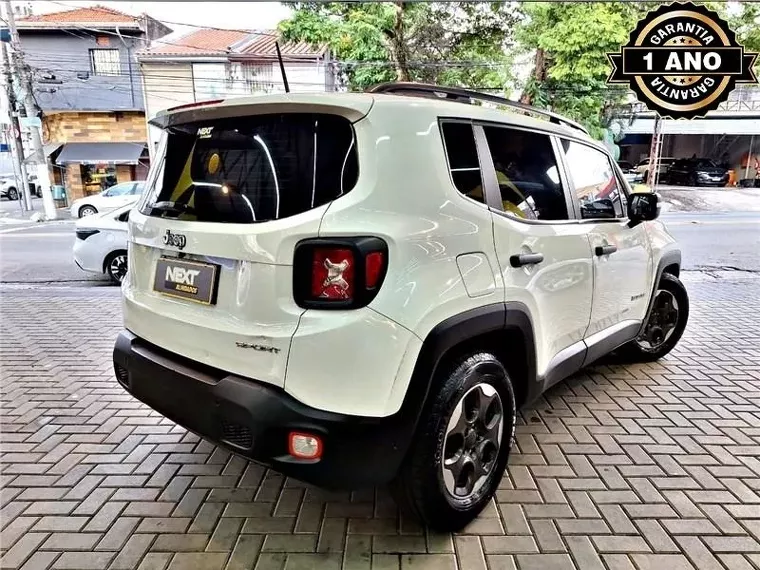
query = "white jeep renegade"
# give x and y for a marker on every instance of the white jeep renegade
(363, 288)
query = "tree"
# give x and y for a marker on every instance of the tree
(746, 23)
(463, 43)
(571, 41)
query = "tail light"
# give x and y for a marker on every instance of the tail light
(341, 273)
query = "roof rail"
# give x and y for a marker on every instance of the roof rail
(462, 95)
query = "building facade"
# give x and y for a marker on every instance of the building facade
(219, 64)
(88, 86)
(729, 135)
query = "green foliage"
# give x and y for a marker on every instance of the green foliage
(746, 24)
(446, 43)
(575, 38)
(354, 33)
(473, 44)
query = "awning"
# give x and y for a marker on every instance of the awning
(47, 150)
(96, 153)
(707, 126)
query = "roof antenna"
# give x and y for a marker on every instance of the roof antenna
(282, 67)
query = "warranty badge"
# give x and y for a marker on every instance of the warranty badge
(682, 61)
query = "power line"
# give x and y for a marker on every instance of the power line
(178, 43)
(173, 79)
(58, 56)
(73, 58)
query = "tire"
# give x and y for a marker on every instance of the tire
(477, 382)
(648, 347)
(87, 211)
(12, 194)
(115, 266)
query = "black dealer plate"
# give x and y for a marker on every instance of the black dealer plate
(191, 280)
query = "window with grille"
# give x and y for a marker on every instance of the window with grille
(258, 77)
(105, 61)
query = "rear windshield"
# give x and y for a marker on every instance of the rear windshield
(253, 169)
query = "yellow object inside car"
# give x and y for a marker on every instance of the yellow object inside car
(508, 205)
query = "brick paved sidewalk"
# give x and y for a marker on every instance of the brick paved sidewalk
(640, 467)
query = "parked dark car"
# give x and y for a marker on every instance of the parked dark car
(696, 172)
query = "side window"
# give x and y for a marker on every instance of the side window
(527, 173)
(597, 190)
(124, 217)
(119, 190)
(462, 155)
(138, 188)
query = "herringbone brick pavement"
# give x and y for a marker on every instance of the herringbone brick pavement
(642, 467)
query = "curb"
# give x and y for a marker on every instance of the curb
(26, 220)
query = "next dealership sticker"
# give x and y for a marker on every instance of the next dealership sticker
(682, 61)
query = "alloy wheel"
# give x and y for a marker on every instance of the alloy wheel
(472, 442)
(662, 321)
(117, 269)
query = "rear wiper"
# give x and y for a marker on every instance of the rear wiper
(169, 206)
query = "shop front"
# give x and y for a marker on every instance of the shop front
(90, 168)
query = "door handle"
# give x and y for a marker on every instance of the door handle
(605, 249)
(526, 259)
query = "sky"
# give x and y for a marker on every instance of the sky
(246, 15)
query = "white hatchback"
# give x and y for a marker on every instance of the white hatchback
(101, 244)
(107, 200)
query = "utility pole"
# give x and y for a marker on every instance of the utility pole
(14, 133)
(25, 77)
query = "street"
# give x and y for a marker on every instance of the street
(42, 254)
(709, 240)
(717, 240)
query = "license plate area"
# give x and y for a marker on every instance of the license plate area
(190, 280)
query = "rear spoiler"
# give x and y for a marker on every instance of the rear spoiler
(352, 106)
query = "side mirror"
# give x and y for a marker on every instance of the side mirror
(643, 206)
(602, 208)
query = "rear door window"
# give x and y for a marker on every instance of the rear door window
(527, 174)
(253, 169)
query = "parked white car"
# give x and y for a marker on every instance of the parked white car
(101, 244)
(10, 187)
(107, 200)
(642, 168)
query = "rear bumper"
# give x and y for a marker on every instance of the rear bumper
(253, 419)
